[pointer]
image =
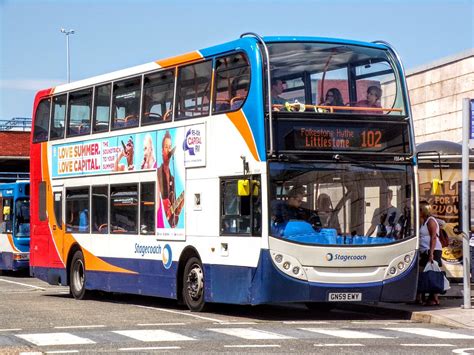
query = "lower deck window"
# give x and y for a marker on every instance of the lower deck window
(123, 209)
(77, 210)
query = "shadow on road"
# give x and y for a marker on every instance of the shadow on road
(273, 312)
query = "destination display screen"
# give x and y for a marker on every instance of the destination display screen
(343, 136)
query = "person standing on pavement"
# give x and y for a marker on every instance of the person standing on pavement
(430, 247)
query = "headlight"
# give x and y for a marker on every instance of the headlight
(393, 270)
(286, 265)
(296, 270)
(407, 258)
(279, 258)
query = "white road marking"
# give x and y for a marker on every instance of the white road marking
(305, 322)
(337, 345)
(433, 333)
(153, 335)
(10, 330)
(158, 324)
(62, 352)
(253, 346)
(382, 322)
(345, 333)
(236, 323)
(151, 348)
(463, 351)
(79, 326)
(44, 339)
(249, 333)
(426, 345)
(182, 313)
(22, 284)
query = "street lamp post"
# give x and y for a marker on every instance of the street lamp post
(67, 33)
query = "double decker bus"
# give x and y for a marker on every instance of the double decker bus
(228, 175)
(14, 225)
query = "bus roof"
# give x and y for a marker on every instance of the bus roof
(248, 42)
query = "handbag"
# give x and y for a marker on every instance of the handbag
(431, 280)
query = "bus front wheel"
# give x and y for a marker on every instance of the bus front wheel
(193, 285)
(78, 276)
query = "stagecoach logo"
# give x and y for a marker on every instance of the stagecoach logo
(344, 258)
(167, 256)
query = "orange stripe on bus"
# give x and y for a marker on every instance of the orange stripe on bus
(187, 57)
(94, 263)
(240, 122)
(10, 239)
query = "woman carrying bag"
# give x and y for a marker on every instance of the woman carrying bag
(430, 248)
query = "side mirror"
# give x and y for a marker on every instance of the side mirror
(436, 185)
(243, 188)
(255, 188)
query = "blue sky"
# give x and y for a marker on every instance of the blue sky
(112, 35)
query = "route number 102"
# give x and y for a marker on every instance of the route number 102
(371, 139)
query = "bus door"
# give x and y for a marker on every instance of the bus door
(58, 221)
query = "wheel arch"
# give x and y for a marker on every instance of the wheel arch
(75, 247)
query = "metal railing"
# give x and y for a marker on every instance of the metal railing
(16, 124)
(13, 176)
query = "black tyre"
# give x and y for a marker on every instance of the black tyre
(193, 285)
(77, 277)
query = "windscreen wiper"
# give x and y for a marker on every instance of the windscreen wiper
(345, 158)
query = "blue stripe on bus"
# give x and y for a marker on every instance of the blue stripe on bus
(7, 262)
(253, 108)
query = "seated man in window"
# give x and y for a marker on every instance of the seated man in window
(284, 211)
(277, 88)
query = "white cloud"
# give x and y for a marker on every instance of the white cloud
(29, 84)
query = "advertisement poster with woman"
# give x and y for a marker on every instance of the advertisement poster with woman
(170, 187)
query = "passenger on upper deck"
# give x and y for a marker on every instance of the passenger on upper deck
(333, 98)
(374, 93)
(277, 87)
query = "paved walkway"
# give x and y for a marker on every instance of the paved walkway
(449, 313)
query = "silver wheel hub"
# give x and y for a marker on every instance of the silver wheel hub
(195, 282)
(78, 276)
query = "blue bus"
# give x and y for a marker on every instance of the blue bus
(15, 225)
(276, 169)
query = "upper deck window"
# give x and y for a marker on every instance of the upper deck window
(79, 113)
(126, 103)
(102, 108)
(58, 117)
(158, 97)
(41, 126)
(194, 90)
(334, 78)
(232, 81)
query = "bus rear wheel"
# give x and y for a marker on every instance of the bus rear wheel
(193, 285)
(77, 284)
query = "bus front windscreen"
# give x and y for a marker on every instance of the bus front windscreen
(22, 218)
(333, 78)
(341, 204)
